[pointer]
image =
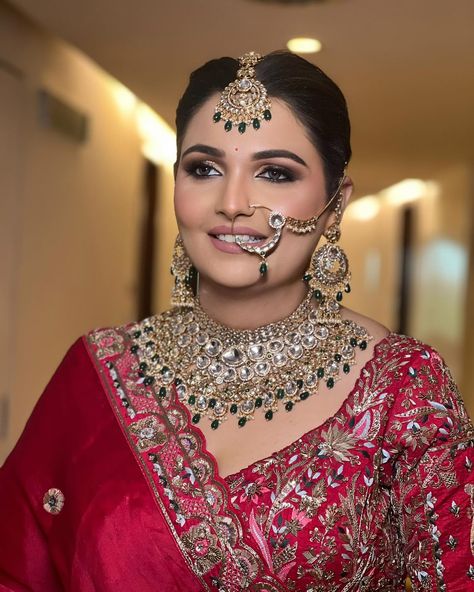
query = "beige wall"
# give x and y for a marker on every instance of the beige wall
(79, 213)
(440, 312)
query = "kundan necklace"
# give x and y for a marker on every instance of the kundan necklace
(218, 371)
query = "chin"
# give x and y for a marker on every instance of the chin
(234, 277)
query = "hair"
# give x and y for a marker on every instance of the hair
(315, 100)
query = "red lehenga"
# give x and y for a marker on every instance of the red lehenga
(381, 491)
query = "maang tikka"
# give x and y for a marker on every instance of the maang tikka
(184, 275)
(244, 101)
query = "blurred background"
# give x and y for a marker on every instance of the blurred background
(87, 97)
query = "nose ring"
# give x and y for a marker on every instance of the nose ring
(276, 220)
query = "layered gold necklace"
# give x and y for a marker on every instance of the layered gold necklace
(218, 371)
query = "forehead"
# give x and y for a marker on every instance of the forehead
(284, 130)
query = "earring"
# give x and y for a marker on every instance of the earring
(328, 276)
(184, 274)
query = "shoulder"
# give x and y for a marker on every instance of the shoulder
(108, 342)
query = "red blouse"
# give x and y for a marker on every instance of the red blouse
(382, 490)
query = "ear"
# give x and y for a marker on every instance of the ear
(346, 190)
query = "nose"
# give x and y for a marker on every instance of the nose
(234, 199)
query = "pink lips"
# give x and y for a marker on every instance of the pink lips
(232, 248)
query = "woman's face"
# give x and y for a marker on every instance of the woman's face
(221, 174)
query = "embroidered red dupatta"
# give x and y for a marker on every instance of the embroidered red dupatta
(381, 490)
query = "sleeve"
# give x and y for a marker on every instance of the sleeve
(430, 437)
(28, 562)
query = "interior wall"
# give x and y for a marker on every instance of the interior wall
(440, 281)
(80, 207)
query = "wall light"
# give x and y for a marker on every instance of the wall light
(409, 190)
(364, 209)
(304, 45)
(159, 140)
(126, 100)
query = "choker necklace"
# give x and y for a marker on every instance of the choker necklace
(218, 371)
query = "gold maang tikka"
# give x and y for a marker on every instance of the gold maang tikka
(244, 101)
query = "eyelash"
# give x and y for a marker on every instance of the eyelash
(192, 168)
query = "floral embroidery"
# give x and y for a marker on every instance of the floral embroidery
(202, 545)
(107, 342)
(381, 491)
(149, 432)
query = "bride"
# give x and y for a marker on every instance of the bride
(258, 435)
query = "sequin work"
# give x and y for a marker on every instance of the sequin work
(382, 490)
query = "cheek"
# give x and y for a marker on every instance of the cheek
(302, 201)
(190, 207)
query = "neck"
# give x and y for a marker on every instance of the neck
(247, 309)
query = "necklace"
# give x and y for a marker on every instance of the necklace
(218, 371)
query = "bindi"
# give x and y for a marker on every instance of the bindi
(236, 149)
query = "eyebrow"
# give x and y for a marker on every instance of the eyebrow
(204, 149)
(278, 154)
(263, 154)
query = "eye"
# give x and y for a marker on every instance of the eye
(202, 169)
(276, 174)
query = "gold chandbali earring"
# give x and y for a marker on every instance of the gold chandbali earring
(328, 276)
(184, 274)
(244, 101)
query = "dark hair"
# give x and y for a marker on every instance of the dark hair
(315, 100)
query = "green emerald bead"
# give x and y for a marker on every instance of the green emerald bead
(164, 370)
(307, 277)
(233, 408)
(149, 380)
(318, 294)
(269, 415)
(217, 116)
(258, 402)
(289, 406)
(346, 368)
(212, 403)
(363, 345)
(267, 115)
(280, 393)
(256, 124)
(263, 268)
(192, 399)
(320, 372)
(330, 382)
(162, 392)
(228, 126)
(353, 341)
(339, 296)
(242, 421)
(304, 395)
(242, 127)
(337, 357)
(196, 418)
(299, 383)
(134, 349)
(347, 289)
(215, 424)
(137, 334)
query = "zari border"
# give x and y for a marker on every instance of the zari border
(182, 475)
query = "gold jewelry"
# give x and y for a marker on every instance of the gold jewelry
(305, 226)
(276, 220)
(244, 101)
(184, 273)
(218, 371)
(328, 276)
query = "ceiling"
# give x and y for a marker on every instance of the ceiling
(406, 66)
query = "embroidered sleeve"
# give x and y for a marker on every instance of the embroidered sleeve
(430, 439)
